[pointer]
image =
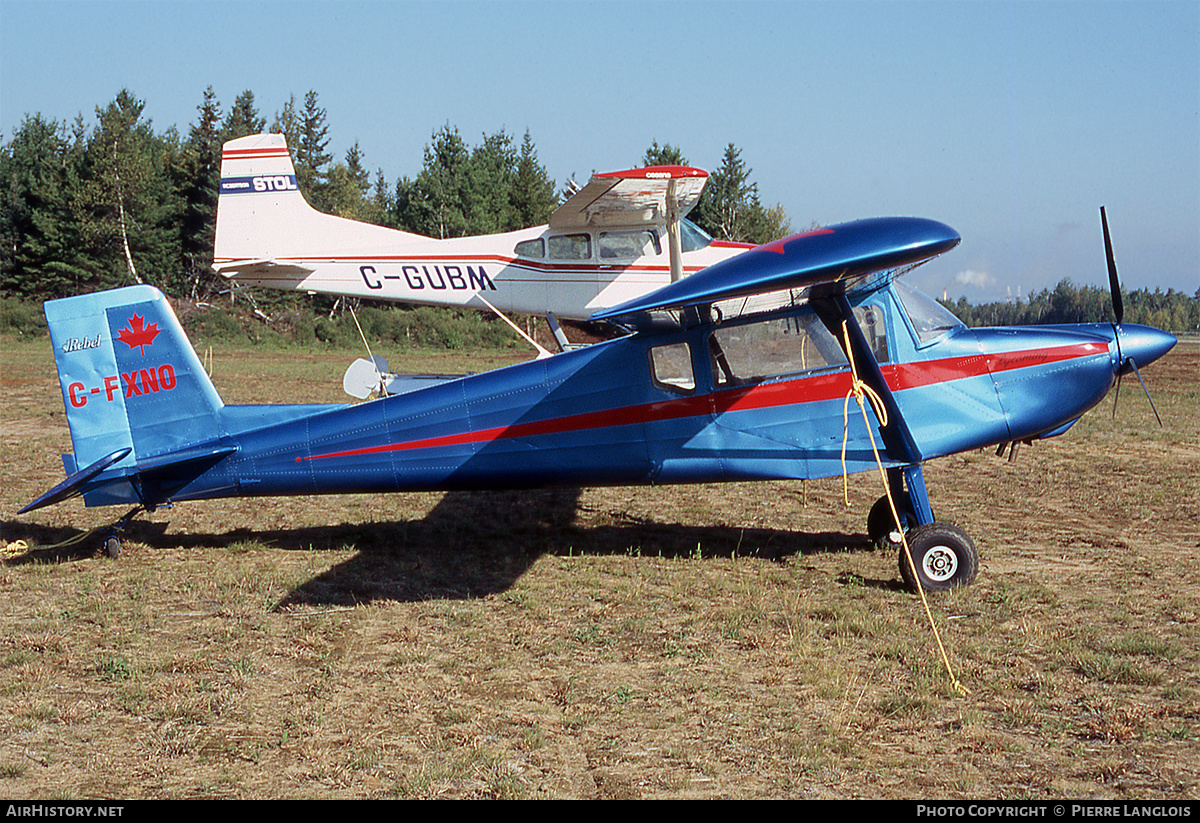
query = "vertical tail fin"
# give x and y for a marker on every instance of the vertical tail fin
(267, 233)
(133, 387)
(259, 204)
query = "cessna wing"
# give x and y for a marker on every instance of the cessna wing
(651, 196)
(636, 196)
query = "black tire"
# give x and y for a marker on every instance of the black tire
(944, 556)
(112, 547)
(881, 526)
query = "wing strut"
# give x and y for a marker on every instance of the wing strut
(542, 352)
(674, 245)
(898, 441)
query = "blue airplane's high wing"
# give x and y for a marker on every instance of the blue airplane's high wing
(861, 255)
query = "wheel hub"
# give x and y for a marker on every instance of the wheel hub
(940, 563)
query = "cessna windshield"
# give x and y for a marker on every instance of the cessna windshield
(691, 236)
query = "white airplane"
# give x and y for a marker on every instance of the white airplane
(619, 237)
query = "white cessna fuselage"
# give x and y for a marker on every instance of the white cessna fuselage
(607, 244)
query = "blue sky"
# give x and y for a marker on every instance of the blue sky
(1010, 121)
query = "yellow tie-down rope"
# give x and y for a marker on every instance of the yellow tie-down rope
(16, 547)
(857, 389)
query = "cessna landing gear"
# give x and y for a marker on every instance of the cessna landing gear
(112, 546)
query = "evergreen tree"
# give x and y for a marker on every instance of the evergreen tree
(243, 119)
(730, 193)
(533, 198)
(382, 203)
(764, 225)
(433, 204)
(312, 156)
(126, 204)
(39, 169)
(490, 176)
(287, 123)
(200, 175)
(729, 208)
(346, 193)
(664, 155)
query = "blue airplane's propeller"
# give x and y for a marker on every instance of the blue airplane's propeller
(1114, 282)
(1125, 364)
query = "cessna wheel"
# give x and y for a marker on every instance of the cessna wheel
(881, 526)
(112, 546)
(944, 556)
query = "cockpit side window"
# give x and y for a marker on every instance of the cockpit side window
(874, 327)
(571, 247)
(692, 237)
(671, 367)
(628, 245)
(535, 248)
(751, 352)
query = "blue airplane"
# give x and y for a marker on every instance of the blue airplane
(738, 372)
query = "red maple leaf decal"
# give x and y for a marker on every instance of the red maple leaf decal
(136, 337)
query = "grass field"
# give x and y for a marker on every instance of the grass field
(737, 640)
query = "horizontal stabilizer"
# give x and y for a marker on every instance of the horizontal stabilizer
(200, 455)
(233, 268)
(198, 458)
(858, 256)
(73, 485)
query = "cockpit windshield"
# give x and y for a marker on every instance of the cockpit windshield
(691, 236)
(929, 318)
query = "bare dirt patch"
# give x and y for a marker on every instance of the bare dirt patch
(737, 640)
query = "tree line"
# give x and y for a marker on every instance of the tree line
(1069, 303)
(114, 202)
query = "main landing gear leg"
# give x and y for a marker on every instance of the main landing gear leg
(943, 554)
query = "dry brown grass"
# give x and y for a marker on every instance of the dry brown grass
(690, 642)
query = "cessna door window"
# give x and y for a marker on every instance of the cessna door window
(628, 245)
(571, 247)
(930, 320)
(532, 248)
(752, 352)
(671, 367)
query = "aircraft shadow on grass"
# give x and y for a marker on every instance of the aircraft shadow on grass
(471, 544)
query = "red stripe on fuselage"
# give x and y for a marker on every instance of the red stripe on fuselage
(827, 386)
(442, 259)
